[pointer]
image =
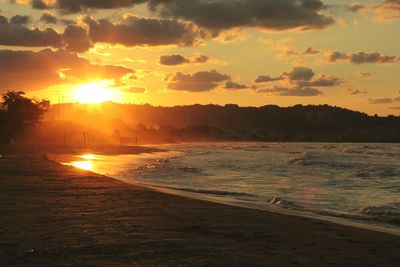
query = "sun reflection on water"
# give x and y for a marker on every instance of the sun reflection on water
(87, 162)
(84, 165)
(88, 156)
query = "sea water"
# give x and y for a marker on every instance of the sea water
(353, 182)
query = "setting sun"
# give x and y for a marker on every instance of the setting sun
(95, 92)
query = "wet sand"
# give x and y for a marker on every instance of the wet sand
(54, 215)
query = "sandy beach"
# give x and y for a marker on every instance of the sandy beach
(54, 215)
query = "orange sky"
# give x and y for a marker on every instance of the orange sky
(248, 52)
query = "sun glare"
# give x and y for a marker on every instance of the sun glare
(95, 92)
(88, 156)
(84, 165)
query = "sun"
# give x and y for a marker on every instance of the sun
(95, 92)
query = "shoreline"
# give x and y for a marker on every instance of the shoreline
(277, 210)
(56, 215)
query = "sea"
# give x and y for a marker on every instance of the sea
(353, 184)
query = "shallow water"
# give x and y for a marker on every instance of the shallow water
(360, 182)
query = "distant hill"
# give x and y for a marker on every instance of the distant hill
(149, 124)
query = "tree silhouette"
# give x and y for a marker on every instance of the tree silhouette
(18, 114)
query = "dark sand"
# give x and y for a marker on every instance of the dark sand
(53, 215)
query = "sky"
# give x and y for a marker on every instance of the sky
(179, 52)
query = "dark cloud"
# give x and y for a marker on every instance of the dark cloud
(296, 91)
(39, 4)
(19, 35)
(302, 77)
(75, 6)
(76, 39)
(20, 20)
(322, 81)
(230, 85)
(219, 15)
(49, 18)
(201, 59)
(131, 32)
(173, 60)
(310, 51)
(266, 78)
(134, 31)
(28, 70)
(356, 92)
(300, 81)
(300, 74)
(275, 15)
(382, 100)
(201, 81)
(336, 55)
(361, 57)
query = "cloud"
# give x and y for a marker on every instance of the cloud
(336, 55)
(19, 35)
(76, 39)
(75, 6)
(220, 15)
(200, 59)
(174, 60)
(394, 108)
(287, 91)
(387, 10)
(302, 77)
(230, 85)
(29, 70)
(300, 74)
(387, 100)
(322, 81)
(310, 51)
(300, 81)
(288, 51)
(201, 81)
(356, 92)
(361, 57)
(266, 78)
(383, 100)
(20, 20)
(39, 4)
(135, 31)
(48, 18)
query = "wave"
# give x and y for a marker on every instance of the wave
(211, 192)
(370, 150)
(375, 171)
(382, 214)
(281, 203)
